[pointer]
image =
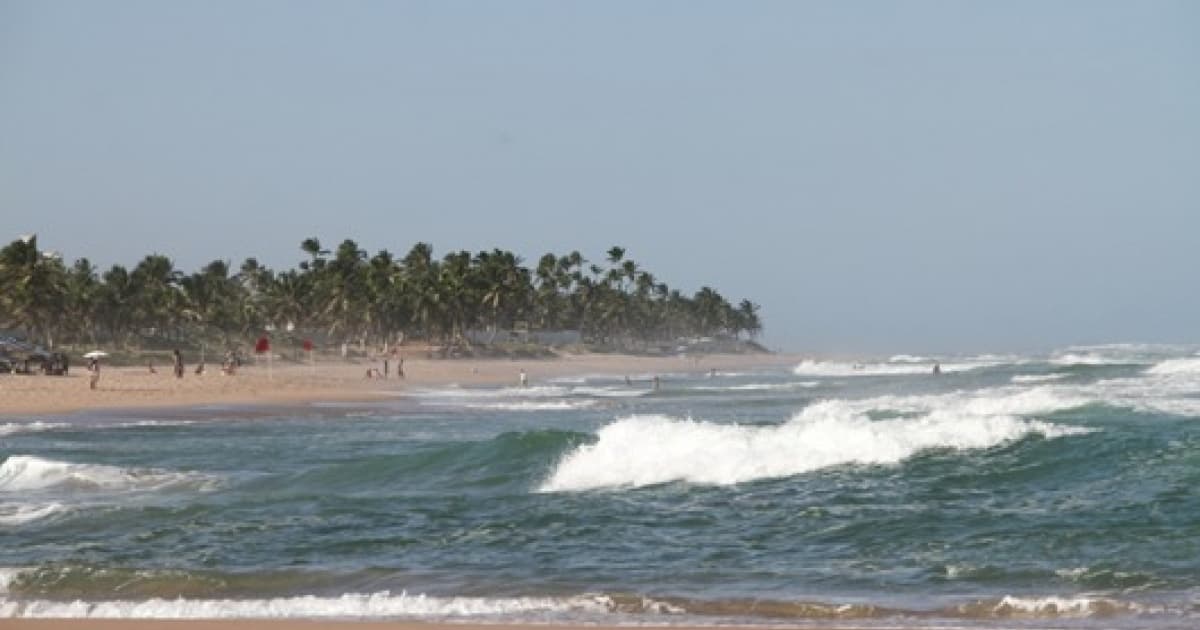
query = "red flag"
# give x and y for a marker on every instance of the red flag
(308, 345)
(263, 345)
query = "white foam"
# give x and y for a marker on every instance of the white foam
(154, 423)
(22, 473)
(22, 513)
(827, 368)
(1175, 366)
(1093, 358)
(541, 391)
(1037, 378)
(349, 606)
(1061, 606)
(7, 575)
(9, 428)
(609, 392)
(645, 450)
(1169, 389)
(909, 358)
(832, 368)
(755, 387)
(531, 405)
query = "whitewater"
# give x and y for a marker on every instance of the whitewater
(1038, 490)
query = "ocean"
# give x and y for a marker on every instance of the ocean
(1056, 490)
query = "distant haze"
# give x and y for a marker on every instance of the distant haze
(879, 176)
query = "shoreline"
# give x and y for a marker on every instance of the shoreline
(135, 388)
(369, 624)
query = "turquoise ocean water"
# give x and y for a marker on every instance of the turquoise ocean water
(1057, 490)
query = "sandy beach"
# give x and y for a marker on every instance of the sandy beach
(327, 380)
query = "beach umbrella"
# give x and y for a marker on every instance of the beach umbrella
(95, 354)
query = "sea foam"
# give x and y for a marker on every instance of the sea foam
(531, 405)
(353, 605)
(9, 428)
(1175, 366)
(1038, 378)
(908, 365)
(22, 513)
(653, 449)
(22, 473)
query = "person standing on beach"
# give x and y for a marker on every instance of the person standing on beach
(94, 368)
(523, 379)
(400, 368)
(178, 364)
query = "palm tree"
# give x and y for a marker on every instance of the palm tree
(82, 301)
(32, 288)
(348, 295)
(748, 318)
(158, 301)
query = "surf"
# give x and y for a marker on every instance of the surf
(639, 451)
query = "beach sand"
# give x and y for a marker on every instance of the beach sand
(326, 380)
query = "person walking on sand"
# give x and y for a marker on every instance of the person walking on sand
(178, 364)
(524, 379)
(400, 368)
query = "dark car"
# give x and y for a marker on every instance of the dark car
(55, 364)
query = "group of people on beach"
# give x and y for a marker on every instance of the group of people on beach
(395, 355)
(229, 366)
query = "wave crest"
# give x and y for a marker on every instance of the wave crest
(21, 473)
(645, 450)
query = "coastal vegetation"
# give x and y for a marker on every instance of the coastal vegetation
(346, 296)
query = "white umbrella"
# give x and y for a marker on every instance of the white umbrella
(95, 354)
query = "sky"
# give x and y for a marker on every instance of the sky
(878, 176)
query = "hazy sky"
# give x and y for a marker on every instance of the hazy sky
(879, 176)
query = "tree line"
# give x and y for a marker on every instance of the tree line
(346, 295)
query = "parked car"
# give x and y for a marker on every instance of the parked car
(56, 364)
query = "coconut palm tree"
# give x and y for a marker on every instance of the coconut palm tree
(352, 297)
(32, 288)
(82, 301)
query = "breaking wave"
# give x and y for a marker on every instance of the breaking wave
(1175, 366)
(645, 450)
(22, 513)
(22, 473)
(351, 605)
(908, 365)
